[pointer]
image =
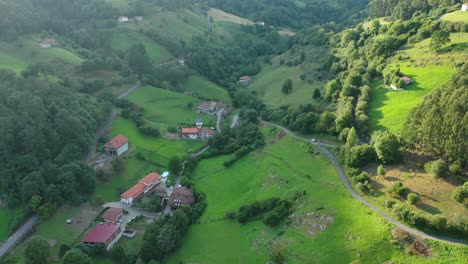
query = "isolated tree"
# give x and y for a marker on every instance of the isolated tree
(35, 202)
(175, 165)
(36, 251)
(412, 198)
(438, 39)
(381, 170)
(437, 168)
(387, 147)
(287, 86)
(76, 256)
(351, 139)
(316, 93)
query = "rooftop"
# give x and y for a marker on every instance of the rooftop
(118, 141)
(112, 214)
(100, 234)
(150, 178)
(189, 130)
(137, 190)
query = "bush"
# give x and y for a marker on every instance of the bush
(390, 203)
(272, 219)
(399, 189)
(412, 198)
(437, 168)
(460, 193)
(455, 168)
(381, 170)
(230, 214)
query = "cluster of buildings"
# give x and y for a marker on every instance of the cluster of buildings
(123, 19)
(198, 132)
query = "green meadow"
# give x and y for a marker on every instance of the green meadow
(457, 16)
(267, 84)
(206, 89)
(18, 54)
(389, 109)
(165, 108)
(282, 169)
(124, 38)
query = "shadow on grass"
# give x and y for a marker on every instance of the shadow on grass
(429, 208)
(379, 98)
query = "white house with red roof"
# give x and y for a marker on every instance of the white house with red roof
(106, 234)
(48, 43)
(245, 80)
(190, 133)
(145, 185)
(117, 146)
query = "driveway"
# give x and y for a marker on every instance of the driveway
(132, 212)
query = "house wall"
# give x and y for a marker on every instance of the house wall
(46, 46)
(122, 149)
(464, 7)
(126, 200)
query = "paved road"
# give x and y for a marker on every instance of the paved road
(348, 186)
(219, 116)
(130, 90)
(11, 242)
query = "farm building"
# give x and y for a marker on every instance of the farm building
(245, 80)
(260, 23)
(181, 196)
(112, 215)
(139, 18)
(117, 146)
(48, 43)
(123, 19)
(102, 234)
(144, 186)
(464, 7)
(407, 80)
(195, 133)
(207, 107)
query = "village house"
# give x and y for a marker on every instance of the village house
(105, 234)
(139, 18)
(123, 19)
(260, 23)
(245, 80)
(112, 215)
(181, 196)
(464, 7)
(116, 146)
(144, 186)
(190, 133)
(48, 43)
(207, 107)
(406, 80)
(205, 133)
(181, 62)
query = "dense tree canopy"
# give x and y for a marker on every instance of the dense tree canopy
(45, 130)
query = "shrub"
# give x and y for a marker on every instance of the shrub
(455, 168)
(412, 198)
(399, 189)
(460, 193)
(436, 168)
(381, 170)
(230, 214)
(272, 218)
(390, 203)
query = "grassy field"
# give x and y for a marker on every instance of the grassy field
(354, 233)
(269, 81)
(206, 89)
(389, 109)
(220, 15)
(166, 108)
(457, 16)
(124, 38)
(18, 54)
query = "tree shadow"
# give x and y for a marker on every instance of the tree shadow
(428, 208)
(375, 106)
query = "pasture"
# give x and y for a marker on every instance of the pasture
(389, 109)
(457, 16)
(124, 38)
(165, 108)
(206, 89)
(269, 81)
(282, 169)
(220, 15)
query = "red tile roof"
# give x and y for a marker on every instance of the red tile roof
(150, 178)
(204, 105)
(137, 190)
(112, 214)
(101, 233)
(118, 141)
(189, 130)
(406, 78)
(208, 131)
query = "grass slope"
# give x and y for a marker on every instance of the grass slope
(206, 89)
(167, 108)
(389, 109)
(18, 54)
(124, 38)
(457, 16)
(281, 169)
(269, 81)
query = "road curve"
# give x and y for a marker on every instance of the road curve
(348, 186)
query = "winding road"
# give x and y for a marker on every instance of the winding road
(348, 186)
